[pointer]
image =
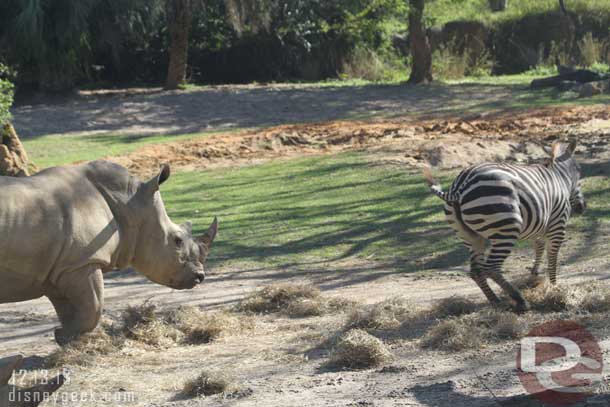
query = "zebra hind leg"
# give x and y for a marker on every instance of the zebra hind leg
(477, 272)
(499, 251)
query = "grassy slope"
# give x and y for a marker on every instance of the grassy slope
(322, 209)
(443, 11)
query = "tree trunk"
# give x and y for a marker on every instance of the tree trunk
(179, 15)
(13, 159)
(421, 69)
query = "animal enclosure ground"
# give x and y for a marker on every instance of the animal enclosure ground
(341, 205)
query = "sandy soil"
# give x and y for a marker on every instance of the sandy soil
(281, 362)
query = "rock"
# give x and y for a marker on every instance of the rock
(592, 88)
(13, 158)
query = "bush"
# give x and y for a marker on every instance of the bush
(6, 95)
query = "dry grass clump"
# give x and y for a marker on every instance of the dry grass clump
(548, 298)
(144, 324)
(453, 335)
(590, 297)
(387, 314)
(473, 331)
(306, 308)
(357, 349)
(296, 300)
(278, 297)
(595, 297)
(454, 306)
(203, 327)
(206, 384)
(84, 350)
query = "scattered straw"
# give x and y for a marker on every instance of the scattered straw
(144, 324)
(84, 350)
(357, 349)
(203, 327)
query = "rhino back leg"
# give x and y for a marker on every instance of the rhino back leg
(78, 301)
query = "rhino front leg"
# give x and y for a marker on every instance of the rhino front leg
(78, 302)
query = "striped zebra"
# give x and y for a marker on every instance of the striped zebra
(492, 206)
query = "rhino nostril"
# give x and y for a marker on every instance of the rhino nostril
(200, 277)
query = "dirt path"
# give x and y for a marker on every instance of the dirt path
(153, 111)
(443, 143)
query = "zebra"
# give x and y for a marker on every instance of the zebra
(498, 204)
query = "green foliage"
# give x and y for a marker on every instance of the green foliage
(6, 95)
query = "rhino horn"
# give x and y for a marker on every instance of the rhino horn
(208, 237)
(8, 366)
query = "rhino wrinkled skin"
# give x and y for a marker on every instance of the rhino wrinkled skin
(62, 228)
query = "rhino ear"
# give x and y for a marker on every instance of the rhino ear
(152, 185)
(209, 236)
(188, 227)
(8, 366)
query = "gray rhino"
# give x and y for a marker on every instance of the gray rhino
(62, 228)
(13, 396)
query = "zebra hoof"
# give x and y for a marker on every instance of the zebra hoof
(522, 307)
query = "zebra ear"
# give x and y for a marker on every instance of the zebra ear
(547, 150)
(556, 150)
(571, 147)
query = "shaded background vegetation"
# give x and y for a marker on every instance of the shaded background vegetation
(55, 46)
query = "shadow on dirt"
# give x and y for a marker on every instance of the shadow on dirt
(445, 395)
(225, 107)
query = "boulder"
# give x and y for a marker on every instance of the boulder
(594, 88)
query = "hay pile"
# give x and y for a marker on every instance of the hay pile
(296, 300)
(208, 383)
(384, 315)
(357, 349)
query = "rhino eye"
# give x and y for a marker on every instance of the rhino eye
(178, 241)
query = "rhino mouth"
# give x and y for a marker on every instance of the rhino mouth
(187, 284)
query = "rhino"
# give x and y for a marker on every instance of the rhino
(64, 227)
(13, 396)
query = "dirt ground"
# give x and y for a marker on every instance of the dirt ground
(280, 362)
(446, 143)
(154, 111)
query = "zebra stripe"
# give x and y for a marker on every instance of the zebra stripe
(492, 206)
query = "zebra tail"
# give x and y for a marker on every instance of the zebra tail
(436, 188)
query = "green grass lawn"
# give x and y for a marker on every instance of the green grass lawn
(60, 149)
(325, 209)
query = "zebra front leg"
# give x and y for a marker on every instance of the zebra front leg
(499, 251)
(539, 250)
